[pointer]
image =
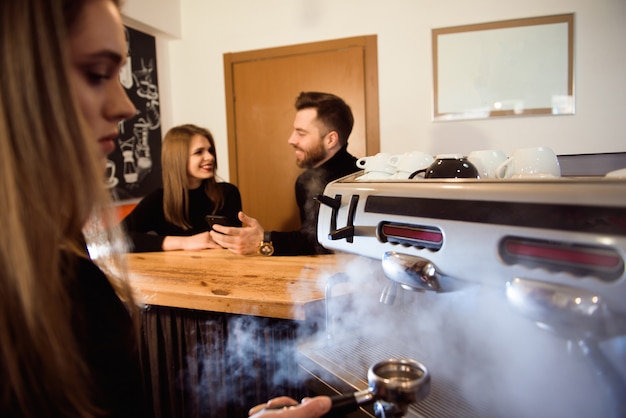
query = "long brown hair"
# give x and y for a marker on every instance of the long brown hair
(51, 179)
(174, 160)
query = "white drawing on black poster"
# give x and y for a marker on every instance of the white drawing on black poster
(111, 180)
(129, 167)
(136, 149)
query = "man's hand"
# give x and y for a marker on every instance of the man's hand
(244, 240)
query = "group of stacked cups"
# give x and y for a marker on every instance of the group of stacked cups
(523, 163)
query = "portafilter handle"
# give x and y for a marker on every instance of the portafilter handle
(344, 404)
(341, 404)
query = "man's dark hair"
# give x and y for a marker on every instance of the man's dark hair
(332, 111)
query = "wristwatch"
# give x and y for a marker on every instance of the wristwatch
(266, 247)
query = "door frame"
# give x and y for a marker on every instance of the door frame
(370, 49)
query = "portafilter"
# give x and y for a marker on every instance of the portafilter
(395, 382)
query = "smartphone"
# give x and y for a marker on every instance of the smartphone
(221, 220)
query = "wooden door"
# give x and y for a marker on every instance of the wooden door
(261, 89)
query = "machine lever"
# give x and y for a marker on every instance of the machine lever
(329, 201)
(346, 232)
(334, 205)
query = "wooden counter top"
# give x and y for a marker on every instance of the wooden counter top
(219, 281)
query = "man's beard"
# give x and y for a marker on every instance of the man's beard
(312, 157)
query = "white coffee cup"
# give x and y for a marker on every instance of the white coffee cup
(407, 163)
(537, 162)
(487, 161)
(378, 163)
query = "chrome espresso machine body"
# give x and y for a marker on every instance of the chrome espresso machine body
(555, 249)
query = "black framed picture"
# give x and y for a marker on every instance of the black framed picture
(134, 168)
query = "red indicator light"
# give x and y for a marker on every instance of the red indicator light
(581, 260)
(411, 233)
(585, 257)
(419, 236)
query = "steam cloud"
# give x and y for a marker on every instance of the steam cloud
(493, 360)
(474, 342)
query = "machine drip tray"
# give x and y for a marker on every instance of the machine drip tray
(341, 367)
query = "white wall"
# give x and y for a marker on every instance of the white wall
(155, 16)
(191, 74)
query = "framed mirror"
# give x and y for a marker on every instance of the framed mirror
(509, 68)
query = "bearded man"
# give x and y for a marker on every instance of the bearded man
(320, 134)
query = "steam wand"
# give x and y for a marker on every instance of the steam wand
(612, 380)
(332, 281)
(577, 315)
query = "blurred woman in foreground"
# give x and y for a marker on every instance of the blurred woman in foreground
(68, 341)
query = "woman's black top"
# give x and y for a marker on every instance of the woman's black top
(147, 226)
(107, 337)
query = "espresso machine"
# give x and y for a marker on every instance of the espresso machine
(511, 292)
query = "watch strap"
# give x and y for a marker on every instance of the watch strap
(266, 248)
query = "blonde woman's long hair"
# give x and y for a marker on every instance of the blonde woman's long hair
(51, 179)
(174, 161)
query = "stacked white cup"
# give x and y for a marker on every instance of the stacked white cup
(409, 162)
(487, 162)
(376, 167)
(536, 162)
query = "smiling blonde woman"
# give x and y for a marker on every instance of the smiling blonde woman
(175, 217)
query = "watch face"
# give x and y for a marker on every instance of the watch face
(266, 249)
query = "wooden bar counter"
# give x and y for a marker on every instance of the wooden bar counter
(220, 330)
(219, 281)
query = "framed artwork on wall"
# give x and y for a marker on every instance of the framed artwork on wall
(519, 67)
